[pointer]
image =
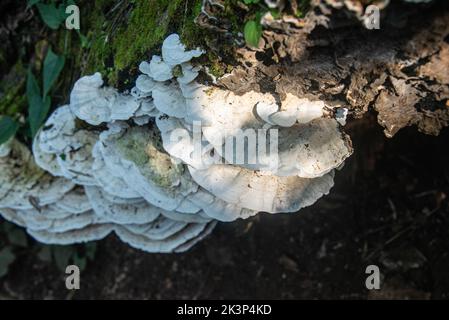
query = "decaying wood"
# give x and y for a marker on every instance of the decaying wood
(401, 70)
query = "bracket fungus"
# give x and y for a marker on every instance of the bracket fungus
(158, 172)
(95, 104)
(23, 185)
(65, 150)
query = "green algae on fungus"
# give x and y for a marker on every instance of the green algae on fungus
(144, 149)
(132, 147)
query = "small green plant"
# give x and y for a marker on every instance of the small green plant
(253, 28)
(54, 15)
(51, 13)
(253, 32)
(39, 103)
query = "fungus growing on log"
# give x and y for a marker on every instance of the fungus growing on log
(160, 165)
(136, 181)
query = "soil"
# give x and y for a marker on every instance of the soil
(388, 208)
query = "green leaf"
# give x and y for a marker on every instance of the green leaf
(53, 65)
(253, 33)
(32, 90)
(8, 129)
(7, 257)
(17, 237)
(37, 108)
(51, 15)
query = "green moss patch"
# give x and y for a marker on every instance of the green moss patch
(123, 33)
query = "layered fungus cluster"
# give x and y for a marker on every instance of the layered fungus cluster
(162, 164)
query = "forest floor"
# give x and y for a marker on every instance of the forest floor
(389, 207)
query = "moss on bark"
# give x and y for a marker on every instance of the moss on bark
(122, 33)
